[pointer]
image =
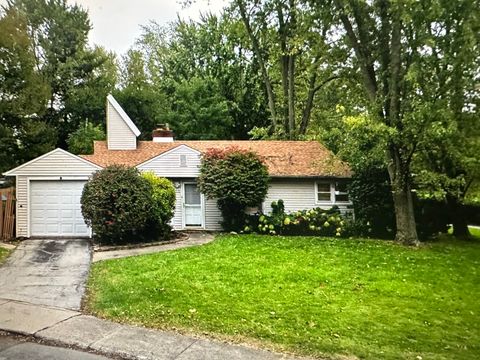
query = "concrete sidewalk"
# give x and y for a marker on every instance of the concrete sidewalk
(71, 328)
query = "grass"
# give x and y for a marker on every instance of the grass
(365, 298)
(3, 254)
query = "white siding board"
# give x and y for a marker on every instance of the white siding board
(57, 163)
(168, 164)
(213, 216)
(297, 194)
(22, 207)
(177, 222)
(119, 134)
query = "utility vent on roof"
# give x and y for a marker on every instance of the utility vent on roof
(183, 160)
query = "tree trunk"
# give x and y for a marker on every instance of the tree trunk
(284, 63)
(402, 200)
(263, 67)
(291, 96)
(459, 221)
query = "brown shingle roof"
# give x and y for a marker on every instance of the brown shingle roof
(283, 158)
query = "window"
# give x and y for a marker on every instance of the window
(183, 160)
(341, 193)
(324, 192)
(332, 192)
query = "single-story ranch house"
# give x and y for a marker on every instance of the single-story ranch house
(303, 173)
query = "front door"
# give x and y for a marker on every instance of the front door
(192, 205)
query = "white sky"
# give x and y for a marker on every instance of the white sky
(116, 23)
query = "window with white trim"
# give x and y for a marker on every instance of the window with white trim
(324, 191)
(331, 192)
(341, 193)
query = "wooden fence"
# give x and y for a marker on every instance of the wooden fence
(7, 213)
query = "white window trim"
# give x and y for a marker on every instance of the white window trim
(333, 194)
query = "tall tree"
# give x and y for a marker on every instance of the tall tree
(208, 58)
(145, 102)
(391, 43)
(290, 46)
(23, 95)
(73, 71)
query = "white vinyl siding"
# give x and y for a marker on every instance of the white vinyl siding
(177, 222)
(213, 216)
(119, 134)
(181, 162)
(22, 207)
(297, 194)
(57, 163)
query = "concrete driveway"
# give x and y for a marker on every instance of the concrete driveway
(47, 272)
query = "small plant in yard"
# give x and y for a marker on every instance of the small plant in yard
(305, 222)
(118, 204)
(237, 179)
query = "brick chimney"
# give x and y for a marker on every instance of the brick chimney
(162, 134)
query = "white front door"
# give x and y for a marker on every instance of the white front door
(192, 206)
(55, 208)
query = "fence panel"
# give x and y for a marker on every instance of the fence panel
(7, 213)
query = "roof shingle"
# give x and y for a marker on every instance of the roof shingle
(283, 158)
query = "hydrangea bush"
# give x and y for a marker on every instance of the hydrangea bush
(314, 222)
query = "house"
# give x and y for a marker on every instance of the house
(303, 173)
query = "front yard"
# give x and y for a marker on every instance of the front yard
(3, 254)
(317, 296)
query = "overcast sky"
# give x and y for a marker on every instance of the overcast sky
(116, 23)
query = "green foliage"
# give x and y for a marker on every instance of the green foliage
(143, 100)
(81, 140)
(371, 195)
(23, 95)
(237, 179)
(50, 80)
(78, 77)
(204, 69)
(199, 111)
(117, 203)
(314, 222)
(163, 193)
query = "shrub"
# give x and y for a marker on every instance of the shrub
(317, 222)
(117, 203)
(237, 179)
(371, 195)
(163, 193)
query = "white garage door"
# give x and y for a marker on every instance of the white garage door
(55, 208)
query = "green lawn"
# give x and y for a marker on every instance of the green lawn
(3, 254)
(367, 298)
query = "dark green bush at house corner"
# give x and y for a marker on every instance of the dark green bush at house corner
(118, 204)
(163, 193)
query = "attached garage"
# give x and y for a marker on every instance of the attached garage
(55, 208)
(49, 189)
